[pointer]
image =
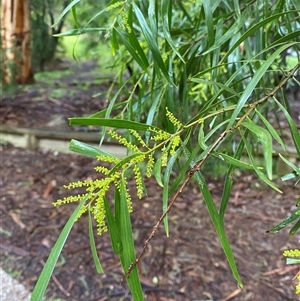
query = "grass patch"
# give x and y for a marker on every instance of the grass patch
(76, 48)
(50, 75)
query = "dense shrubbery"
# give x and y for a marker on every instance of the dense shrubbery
(203, 76)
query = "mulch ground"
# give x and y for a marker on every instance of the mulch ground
(189, 265)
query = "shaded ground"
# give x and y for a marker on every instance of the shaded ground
(52, 99)
(190, 265)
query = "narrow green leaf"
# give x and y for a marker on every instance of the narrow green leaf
(261, 175)
(264, 137)
(150, 39)
(295, 228)
(114, 123)
(166, 26)
(296, 4)
(154, 106)
(230, 32)
(152, 16)
(271, 129)
(114, 42)
(65, 11)
(74, 13)
(254, 81)
(215, 129)
(87, 150)
(225, 195)
(157, 172)
(286, 38)
(42, 283)
(213, 213)
(237, 163)
(253, 29)
(131, 50)
(93, 245)
(284, 223)
(201, 138)
(294, 130)
(290, 164)
(184, 169)
(292, 261)
(79, 31)
(207, 5)
(215, 218)
(114, 230)
(127, 254)
(166, 182)
(288, 176)
(134, 41)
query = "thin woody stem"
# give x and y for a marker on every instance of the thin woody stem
(199, 164)
(271, 94)
(191, 172)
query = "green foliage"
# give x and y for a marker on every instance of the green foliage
(202, 76)
(44, 44)
(293, 257)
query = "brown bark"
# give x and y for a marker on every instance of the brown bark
(15, 35)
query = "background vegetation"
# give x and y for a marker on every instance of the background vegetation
(198, 84)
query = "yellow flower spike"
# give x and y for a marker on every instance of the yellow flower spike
(123, 141)
(108, 159)
(150, 165)
(127, 194)
(125, 21)
(160, 135)
(164, 158)
(102, 169)
(139, 181)
(139, 138)
(69, 199)
(115, 5)
(173, 119)
(291, 253)
(99, 214)
(81, 212)
(175, 142)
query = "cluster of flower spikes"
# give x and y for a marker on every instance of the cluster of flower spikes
(174, 140)
(294, 253)
(97, 189)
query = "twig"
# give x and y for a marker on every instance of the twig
(191, 172)
(271, 94)
(198, 165)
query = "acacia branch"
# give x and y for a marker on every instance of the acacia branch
(190, 173)
(199, 164)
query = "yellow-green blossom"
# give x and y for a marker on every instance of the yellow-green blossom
(292, 253)
(123, 141)
(173, 119)
(150, 165)
(175, 142)
(115, 5)
(102, 169)
(139, 181)
(139, 138)
(297, 286)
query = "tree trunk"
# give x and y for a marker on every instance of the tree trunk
(15, 36)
